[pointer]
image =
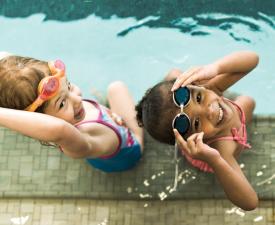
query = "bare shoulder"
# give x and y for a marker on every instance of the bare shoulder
(105, 140)
(247, 104)
(226, 148)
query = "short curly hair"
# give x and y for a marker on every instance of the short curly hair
(156, 111)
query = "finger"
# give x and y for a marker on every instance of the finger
(191, 143)
(179, 81)
(199, 138)
(181, 142)
(199, 82)
(183, 77)
(197, 76)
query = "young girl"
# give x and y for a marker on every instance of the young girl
(37, 100)
(209, 129)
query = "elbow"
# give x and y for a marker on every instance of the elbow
(254, 59)
(251, 204)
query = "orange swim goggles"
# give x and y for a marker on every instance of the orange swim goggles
(48, 86)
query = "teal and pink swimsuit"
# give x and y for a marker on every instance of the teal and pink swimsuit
(238, 135)
(128, 152)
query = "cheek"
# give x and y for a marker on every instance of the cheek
(77, 90)
(209, 130)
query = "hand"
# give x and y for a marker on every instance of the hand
(195, 147)
(196, 75)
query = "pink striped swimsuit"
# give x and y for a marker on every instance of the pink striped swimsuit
(239, 136)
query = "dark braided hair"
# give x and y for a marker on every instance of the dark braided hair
(156, 111)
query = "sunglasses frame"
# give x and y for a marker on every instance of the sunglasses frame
(181, 106)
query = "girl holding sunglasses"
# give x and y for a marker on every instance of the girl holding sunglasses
(209, 129)
(37, 100)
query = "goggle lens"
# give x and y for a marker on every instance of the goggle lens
(49, 88)
(59, 65)
(182, 124)
(182, 96)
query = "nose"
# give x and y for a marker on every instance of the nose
(75, 97)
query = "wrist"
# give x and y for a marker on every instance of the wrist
(215, 159)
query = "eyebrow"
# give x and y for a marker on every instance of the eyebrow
(57, 100)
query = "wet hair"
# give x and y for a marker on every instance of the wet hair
(19, 79)
(156, 111)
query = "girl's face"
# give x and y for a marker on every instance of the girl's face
(67, 104)
(208, 112)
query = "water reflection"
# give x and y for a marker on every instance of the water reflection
(185, 16)
(167, 10)
(202, 24)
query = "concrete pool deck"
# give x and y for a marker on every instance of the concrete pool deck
(35, 175)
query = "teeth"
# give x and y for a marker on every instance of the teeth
(220, 114)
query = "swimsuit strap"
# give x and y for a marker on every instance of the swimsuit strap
(239, 136)
(100, 115)
(101, 121)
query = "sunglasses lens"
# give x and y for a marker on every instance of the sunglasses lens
(182, 124)
(182, 95)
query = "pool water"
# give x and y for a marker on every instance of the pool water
(100, 42)
(136, 41)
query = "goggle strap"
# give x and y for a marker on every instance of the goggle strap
(38, 102)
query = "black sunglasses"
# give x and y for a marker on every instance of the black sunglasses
(181, 122)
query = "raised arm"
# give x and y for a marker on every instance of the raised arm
(234, 183)
(220, 74)
(226, 169)
(49, 129)
(232, 68)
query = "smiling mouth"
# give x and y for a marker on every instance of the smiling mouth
(79, 114)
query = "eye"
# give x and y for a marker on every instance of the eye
(69, 86)
(196, 124)
(198, 98)
(62, 104)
